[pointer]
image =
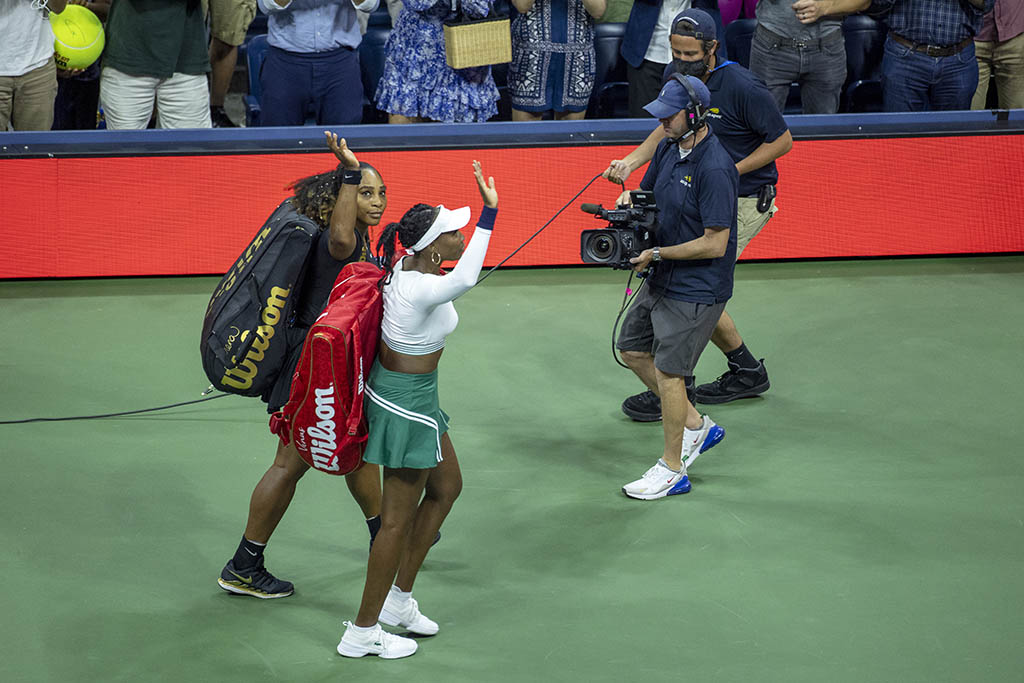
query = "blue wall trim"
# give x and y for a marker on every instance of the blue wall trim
(473, 135)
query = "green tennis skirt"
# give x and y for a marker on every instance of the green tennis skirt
(404, 419)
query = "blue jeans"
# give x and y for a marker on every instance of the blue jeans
(327, 84)
(912, 81)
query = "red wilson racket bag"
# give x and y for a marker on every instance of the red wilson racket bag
(324, 413)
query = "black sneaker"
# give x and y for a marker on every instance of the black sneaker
(736, 383)
(645, 407)
(220, 119)
(255, 581)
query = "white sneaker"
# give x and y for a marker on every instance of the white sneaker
(376, 641)
(406, 613)
(658, 482)
(696, 441)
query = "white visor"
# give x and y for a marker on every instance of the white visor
(446, 221)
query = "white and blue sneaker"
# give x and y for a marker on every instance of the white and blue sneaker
(658, 482)
(696, 441)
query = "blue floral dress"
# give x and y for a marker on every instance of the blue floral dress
(417, 80)
(553, 60)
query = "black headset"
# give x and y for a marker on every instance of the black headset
(695, 113)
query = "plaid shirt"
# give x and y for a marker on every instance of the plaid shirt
(931, 22)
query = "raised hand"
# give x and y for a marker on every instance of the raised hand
(487, 191)
(341, 151)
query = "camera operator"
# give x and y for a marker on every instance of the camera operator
(752, 130)
(695, 183)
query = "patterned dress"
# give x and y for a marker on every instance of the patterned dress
(417, 80)
(553, 61)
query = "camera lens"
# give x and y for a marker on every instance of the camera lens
(602, 247)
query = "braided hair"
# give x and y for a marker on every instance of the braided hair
(409, 230)
(313, 194)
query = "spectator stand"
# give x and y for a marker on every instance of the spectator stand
(371, 61)
(255, 53)
(865, 41)
(610, 98)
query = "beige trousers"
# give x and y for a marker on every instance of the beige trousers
(1004, 63)
(749, 221)
(26, 101)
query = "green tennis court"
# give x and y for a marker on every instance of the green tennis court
(862, 522)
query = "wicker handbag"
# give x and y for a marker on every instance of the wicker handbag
(476, 42)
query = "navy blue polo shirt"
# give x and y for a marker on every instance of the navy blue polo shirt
(692, 194)
(744, 116)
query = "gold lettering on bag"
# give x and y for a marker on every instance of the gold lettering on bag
(242, 374)
(231, 277)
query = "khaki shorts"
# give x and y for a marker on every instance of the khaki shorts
(749, 221)
(230, 19)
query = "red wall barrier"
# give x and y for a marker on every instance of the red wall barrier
(71, 217)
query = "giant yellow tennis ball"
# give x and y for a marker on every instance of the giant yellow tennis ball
(78, 37)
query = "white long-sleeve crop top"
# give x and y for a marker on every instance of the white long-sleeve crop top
(418, 309)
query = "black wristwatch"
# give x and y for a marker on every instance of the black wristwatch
(656, 255)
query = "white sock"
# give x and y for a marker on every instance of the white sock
(362, 630)
(665, 464)
(401, 596)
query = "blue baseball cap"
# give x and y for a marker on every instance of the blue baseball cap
(673, 98)
(702, 23)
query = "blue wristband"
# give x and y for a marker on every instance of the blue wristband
(487, 216)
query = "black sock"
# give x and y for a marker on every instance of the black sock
(742, 358)
(248, 554)
(373, 524)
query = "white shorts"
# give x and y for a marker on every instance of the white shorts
(182, 101)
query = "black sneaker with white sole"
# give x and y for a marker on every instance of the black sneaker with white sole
(735, 384)
(644, 407)
(255, 581)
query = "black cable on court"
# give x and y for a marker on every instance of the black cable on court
(97, 417)
(530, 238)
(627, 299)
(222, 395)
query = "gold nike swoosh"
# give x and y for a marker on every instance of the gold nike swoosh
(243, 579)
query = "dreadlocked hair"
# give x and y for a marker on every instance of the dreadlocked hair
(409, 230)
(312, 193)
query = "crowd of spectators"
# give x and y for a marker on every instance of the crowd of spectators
(169, 63)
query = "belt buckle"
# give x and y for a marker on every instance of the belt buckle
(934, 50)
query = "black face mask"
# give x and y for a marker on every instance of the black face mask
(696, 69)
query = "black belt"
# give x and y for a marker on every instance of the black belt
(932, 50)
(772, 37)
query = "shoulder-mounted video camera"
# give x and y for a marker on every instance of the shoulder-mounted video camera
(630, 230)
